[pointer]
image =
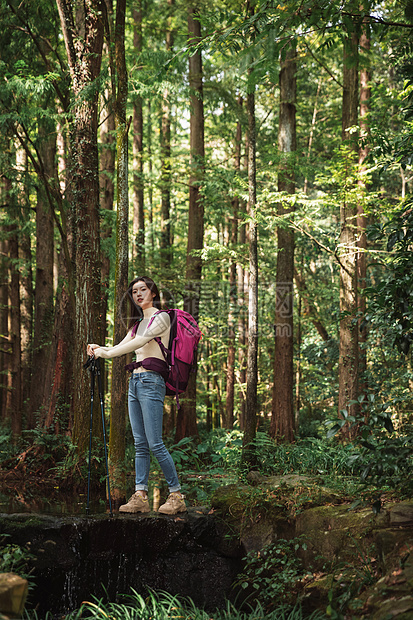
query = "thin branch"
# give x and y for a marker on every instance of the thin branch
(107, 11)
(323, 65)
(68, 28)
(319, 244)
(378, 20)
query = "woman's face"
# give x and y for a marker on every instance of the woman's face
(142, 295)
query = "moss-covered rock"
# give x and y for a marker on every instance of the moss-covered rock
(76, 558)
(307, 489)
(335, 533)
(402, 513)
(392, 595)
(315, 592)
(346, 550)
(254, 516)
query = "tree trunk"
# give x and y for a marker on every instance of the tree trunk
(14, 403)
(282, 421)
(43, 301)
(165, 238)
(107, 192)
(186, 419)
(15, 325)
(83, 36)
(26, 283)
(60, 374)
(242, 282)
(348, 350)
(196, 209)
(119, 377)
(365, 93)
(150, 169)
(4, 321)
(58, 393)
(138, 193)
(252, 351)
(233, 238)
(228, 421)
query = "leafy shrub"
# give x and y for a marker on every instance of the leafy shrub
(13, 558)
(220, 449)
(207, 462)
(350, 579)
(306, 456)
(382, 455)
(7, 449)
(390, 300)
(37, 449)
(269, 576)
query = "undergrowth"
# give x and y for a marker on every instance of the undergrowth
(271, 574)
(374, 465)
(164, 606)
(15, 559)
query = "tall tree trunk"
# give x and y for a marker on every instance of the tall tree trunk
(348, 349)
(233, 238)
(186, 425)
(58, 392)
(196, 208)
(83, 37)
(252, 351)
(150, 169)
(4, 320)
(228, 420)
(107, 191)
(165, 238)
(15, 326)
(365, 93)
(58, 382)
(282, 421)
(242, 282)
(14, 402)
(298, 363)
(43, 300)
(138, 193)
(26, 280)
(119, 377)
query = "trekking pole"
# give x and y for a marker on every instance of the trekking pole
(94, 367)
(102, 408)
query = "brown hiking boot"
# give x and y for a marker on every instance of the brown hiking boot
(136, 503)
(174, 504)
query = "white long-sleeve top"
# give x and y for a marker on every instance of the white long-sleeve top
(143, 342)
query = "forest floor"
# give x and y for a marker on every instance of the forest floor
(268, 512)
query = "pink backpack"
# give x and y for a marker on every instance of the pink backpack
(183, 342)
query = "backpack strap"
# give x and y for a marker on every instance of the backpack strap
(135, 327)
(169, 354)
(163, 348)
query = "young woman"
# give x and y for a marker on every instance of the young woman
(146, 393)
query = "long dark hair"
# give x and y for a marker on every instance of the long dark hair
(135, 311)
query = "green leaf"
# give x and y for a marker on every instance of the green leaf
(333, 430)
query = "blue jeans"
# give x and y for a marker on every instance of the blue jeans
(145, 401)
